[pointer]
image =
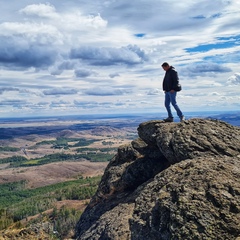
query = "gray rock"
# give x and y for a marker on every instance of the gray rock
(176, 181)
(193, 138)
(190, 200)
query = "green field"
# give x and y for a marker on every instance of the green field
(89, 154)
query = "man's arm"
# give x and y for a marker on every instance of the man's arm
(174, 80)
(174, 76)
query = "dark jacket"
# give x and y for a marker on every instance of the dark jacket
(170, 80)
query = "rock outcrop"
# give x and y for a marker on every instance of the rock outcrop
(176, 181)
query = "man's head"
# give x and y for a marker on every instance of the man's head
(165, 66)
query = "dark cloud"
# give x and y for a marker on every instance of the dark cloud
(94, 104)
(82, 73)
(119, 104)
(113, 75)
(65, 65)
(7, 89)
(230, 56)
(105, 56)
(60, 91)
(16, 103)
(43, 103)
(133, 13)
(59, 104)
(25, 55)
(210, 67)
(85, 104)
(203, 69)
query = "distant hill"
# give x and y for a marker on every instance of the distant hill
(233, 118)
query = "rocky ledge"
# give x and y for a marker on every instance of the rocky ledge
(176, 181)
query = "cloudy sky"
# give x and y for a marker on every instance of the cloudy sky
(83, 57)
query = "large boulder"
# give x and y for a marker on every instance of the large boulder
(191, 200)
(176, 181)
(193, 138)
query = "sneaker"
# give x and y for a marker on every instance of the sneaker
(169, 119)
(182, 118)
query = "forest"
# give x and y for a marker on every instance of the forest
(18, 203)
(61, 204)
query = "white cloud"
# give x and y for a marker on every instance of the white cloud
(154, 92)
(39, 33)
(107, 91)
(109, 56)
(60, 91)
(97, 50)
(234, 80)
(28, 45)
(41, 10)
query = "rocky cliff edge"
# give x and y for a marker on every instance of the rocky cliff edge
(176, 181)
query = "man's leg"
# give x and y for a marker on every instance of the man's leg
(167, 104)
(174, 103)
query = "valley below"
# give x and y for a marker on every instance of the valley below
(50, 169)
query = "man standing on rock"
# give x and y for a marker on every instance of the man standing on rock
(170, 83)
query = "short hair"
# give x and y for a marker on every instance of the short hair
(165, 64)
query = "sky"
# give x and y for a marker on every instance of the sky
(80, 57)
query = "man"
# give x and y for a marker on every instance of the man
(170, 83)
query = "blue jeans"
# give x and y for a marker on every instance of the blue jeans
(171, 98)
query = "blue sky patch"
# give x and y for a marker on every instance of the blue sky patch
(139, 35)
(222, 42)
(220, 59)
